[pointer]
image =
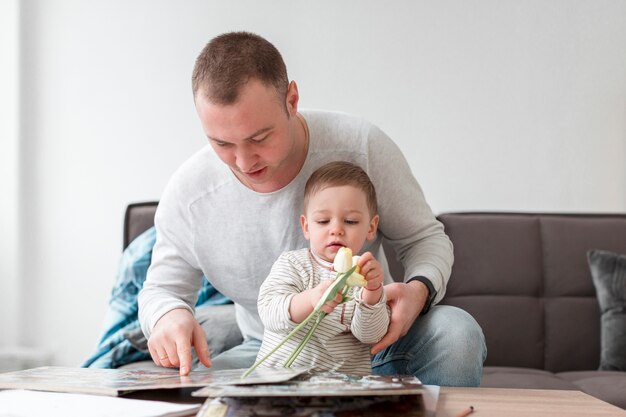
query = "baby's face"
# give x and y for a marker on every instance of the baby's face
(337, 217)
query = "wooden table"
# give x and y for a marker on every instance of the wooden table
(500, 402)
(487, 402)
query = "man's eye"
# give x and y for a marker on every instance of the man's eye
(221, 144)
(260, 140)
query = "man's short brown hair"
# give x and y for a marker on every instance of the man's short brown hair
(339, 173)
(230, 60)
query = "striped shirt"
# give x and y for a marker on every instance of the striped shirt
(342, 340)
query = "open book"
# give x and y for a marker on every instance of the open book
(326, 384)
(21, 403)
(114, 382)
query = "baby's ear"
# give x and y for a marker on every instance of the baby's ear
(305, 227)
(371, 233)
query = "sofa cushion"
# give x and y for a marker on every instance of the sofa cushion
(510, 377)
(572, 314)
(496, 277)
(512, 325)
(494, 255)
(609, 277)
(609, 386)
(572, 333)
(507, 264)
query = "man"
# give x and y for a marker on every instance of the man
(234, 206)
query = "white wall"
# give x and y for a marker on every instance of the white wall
(498, 105)
(9, 173)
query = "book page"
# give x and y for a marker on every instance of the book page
(115, 382)
(22, 403)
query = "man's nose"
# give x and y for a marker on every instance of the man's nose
(245, 159)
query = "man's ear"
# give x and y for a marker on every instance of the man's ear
(305, 227)
(371, 233)
(292, 98)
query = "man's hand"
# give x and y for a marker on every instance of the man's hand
(172, 338)
(406, 302)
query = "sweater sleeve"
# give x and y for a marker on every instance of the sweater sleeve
(283, 282)
(406, 219)
(370, 322)
(174, 277)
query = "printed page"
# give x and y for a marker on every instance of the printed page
(22, 403)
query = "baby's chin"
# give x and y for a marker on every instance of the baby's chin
(329, 253)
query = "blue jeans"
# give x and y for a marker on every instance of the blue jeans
(445, 347)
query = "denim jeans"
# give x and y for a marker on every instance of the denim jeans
(445, 347)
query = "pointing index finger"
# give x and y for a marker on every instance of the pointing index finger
(184, 356)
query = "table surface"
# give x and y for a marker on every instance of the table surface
(499, 402)
(487, 402)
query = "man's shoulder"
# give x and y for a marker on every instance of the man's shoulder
(201, 172)
(203, 161)
(334, 120)
(336, 135)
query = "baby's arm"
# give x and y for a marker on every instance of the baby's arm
(284, 301)
(304, 303)
(370, 322)
(371, 317)
(275, 295)
(374, 274)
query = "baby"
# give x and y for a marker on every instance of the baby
(340, 211)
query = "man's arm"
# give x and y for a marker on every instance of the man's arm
(412, 229)
(171, 289)
(406, 219)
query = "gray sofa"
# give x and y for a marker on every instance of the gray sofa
(525, 279)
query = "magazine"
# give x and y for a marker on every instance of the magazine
(326, 384)
(385, 406)
(114, 382)
(23, 403)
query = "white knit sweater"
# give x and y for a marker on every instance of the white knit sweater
(209, 223)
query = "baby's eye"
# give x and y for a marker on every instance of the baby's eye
(323, 221)
(350, 221)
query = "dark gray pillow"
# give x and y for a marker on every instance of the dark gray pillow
(608, 271)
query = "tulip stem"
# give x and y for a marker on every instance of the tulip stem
(289, 336)
(329, 294)
(304, 341)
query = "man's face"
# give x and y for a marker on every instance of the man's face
(255, 136)
(338, 217)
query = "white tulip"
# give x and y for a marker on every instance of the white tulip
(343, 260)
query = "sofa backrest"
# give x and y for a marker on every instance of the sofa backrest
(525, 279)
(523, 276)
(139, 217)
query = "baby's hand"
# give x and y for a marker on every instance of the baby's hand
(373, 272)
(317, 293)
